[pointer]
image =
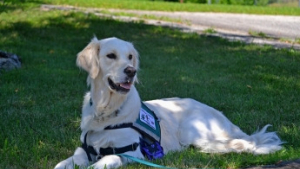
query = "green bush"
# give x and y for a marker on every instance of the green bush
(196, 1)
(172, 0)
(229, 2)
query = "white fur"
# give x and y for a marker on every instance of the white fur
(183, 122)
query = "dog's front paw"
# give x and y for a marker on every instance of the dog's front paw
(64, 165)
(107, 162)
(78, 160)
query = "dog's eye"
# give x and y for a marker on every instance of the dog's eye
(111, 56)
(130, 57)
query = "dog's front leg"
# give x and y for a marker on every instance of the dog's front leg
(109, 161)
(78, 159)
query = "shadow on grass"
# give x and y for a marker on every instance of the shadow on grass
(41, 102)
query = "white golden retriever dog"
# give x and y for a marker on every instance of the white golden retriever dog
(113, 100)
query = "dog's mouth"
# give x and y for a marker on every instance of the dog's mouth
(123, 87)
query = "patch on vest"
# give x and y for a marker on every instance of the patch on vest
(147, 118)
(148, 123)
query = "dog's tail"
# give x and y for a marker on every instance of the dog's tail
(261, 142)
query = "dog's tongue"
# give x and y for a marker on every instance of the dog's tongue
(125, 85)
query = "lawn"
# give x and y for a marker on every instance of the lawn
(40, 104)
(174, 6)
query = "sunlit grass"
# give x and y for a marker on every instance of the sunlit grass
(174, 6)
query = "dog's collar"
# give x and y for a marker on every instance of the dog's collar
(116, 113)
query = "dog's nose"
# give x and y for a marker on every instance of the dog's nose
(130, 71)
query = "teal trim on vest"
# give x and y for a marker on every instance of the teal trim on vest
(148, 123)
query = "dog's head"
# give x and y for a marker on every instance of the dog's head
(113, 61)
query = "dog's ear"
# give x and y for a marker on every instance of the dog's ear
(88, 59)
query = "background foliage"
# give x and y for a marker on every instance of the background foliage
(237, 2)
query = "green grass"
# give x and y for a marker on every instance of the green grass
(209, 31)
(164, 6)
(258, 34)
(144, 17)
(173, 6)
(40, 104)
